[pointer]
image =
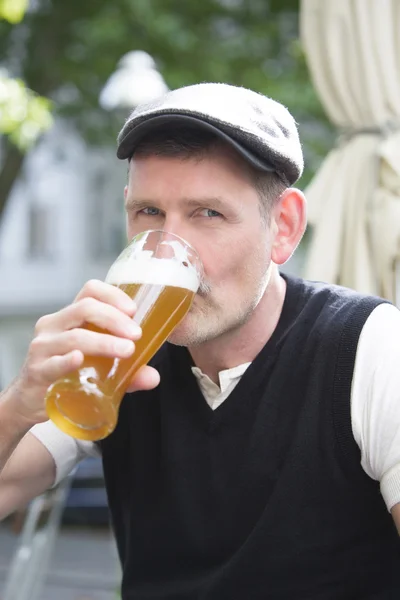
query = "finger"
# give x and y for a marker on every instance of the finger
(146, 378)
(109, 294)
(89, 343)
(59, 366)
(94, 312)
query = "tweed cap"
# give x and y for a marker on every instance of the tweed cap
(259, 128)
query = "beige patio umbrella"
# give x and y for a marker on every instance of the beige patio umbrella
(353, 52)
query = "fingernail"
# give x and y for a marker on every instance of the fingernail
(124, 347)
(134, 330)
(129, 305)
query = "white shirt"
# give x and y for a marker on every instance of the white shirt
(375, 406)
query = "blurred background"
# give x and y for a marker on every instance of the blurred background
(85, 65)
(70, 73)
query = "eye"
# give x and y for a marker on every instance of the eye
(210, 213)
(150, 211)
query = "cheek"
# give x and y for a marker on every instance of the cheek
(226, 267)
(131, 228)
(236, 260)
(217, 265)
(250, 263)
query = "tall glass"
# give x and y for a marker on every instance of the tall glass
(161, 273)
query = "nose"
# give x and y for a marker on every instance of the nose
(172, 224)
(175, 225)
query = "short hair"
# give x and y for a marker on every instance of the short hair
(188, 142)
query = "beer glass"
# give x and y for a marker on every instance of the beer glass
(161, 273)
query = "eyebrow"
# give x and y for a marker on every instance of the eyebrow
(215, 202)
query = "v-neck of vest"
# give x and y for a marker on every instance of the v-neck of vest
(254, 375)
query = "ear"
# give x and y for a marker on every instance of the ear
(288, 223)
(125, 192)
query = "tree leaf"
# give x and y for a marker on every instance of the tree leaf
(13, 10)
(23, 114)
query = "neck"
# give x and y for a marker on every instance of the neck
(242, 345)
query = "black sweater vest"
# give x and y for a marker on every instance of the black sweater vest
(263, 498)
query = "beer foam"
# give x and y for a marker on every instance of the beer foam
(156, 271)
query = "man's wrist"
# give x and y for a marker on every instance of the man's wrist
(12, 414)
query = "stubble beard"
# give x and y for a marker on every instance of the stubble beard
(206, 323)
(208, 319)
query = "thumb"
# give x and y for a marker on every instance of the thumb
(146, 378)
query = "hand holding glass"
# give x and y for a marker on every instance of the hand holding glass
(161, 273)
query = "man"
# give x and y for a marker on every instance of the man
(258, 456)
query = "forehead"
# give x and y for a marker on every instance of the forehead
(218, 171)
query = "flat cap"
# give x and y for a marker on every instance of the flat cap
(262, 130)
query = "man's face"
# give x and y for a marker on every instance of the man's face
(211, 203)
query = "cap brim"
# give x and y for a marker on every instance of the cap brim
(131, 139)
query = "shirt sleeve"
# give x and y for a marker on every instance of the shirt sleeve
(375, 400)
(66, 451)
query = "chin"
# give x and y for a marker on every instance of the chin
(195, 328)
(181, 335)
(188, 332)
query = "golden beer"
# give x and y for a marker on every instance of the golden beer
(85, 403)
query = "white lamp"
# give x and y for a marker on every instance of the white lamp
(135, 81)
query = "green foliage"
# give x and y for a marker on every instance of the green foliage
(66, 50)
(13, 10)
(23, 114)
